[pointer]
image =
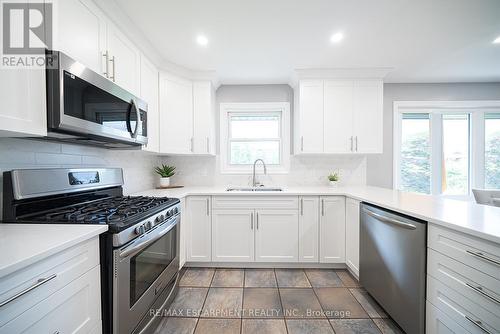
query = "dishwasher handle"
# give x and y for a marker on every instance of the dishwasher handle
(389, 220)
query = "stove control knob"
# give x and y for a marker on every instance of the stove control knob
(149, 225)
(162, 217)
(140, 230)
(169, 213)
(158, 219)
(176, 210)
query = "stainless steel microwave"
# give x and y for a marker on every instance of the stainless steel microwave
(83, 107)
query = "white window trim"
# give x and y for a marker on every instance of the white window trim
(282, 107)
(477, 109)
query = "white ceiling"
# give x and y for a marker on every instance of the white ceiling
(263, 41)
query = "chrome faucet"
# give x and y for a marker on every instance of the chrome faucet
(254, 181)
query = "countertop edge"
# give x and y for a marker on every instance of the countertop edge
(13, 267)
(219, 191)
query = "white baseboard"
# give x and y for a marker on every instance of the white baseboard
(302, 265)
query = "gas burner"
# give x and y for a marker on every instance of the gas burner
(114, 211)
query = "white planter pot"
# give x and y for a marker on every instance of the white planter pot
(334, 183)
(164, 181)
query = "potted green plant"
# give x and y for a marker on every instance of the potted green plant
(334, 179)
(165, 172)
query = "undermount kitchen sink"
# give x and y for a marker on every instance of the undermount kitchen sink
(254, 189)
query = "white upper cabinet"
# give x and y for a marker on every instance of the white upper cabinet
(339, 116)
(338, 101)
(24, 110)
(80, 32)
(149, 93)
(176, 115)
(368, 116)
(310, 116)
(203, 118)
(124, 60)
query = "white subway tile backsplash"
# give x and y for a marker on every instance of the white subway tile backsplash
(18, 153)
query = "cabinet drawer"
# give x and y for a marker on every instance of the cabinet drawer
(76, 308)
(255, 202)
(437, 322)
(66, 266)
(466, 312)
(473, 284)
(474, 252)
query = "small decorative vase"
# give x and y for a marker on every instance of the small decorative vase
(164, 182)
(334, 183)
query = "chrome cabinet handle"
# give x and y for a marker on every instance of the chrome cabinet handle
(257, 219)
(106, 60)
(478, 324)
(39, 282)
(208, 145)
(113, 62)
(302, 143)
(390, 220)
(483, 257)
(191, 143)
(301, 206)
(356, 143)
(251, 220)
(322, 207)
(479, 290)
(208, 209)
(352, 141)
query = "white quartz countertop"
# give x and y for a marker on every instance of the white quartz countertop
(468, 217)
(24, 244)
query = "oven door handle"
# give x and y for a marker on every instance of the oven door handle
(127, 252)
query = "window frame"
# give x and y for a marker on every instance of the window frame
(435, 109)
(281, 108)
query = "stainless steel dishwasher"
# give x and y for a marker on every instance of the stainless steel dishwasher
(392, 262)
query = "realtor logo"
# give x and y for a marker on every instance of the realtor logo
(26, 28)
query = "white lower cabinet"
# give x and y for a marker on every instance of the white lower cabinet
(233, 235)
(332, 229)
(199, 227)
(76, 308)
(308, 228)
(352, 234)
(276, 236)
(437, 322)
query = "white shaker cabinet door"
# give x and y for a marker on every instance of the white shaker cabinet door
(352, 234)
(203, 118)
(276, 236)
(368, 116)
(149, 93)
(310, 116)
(332, 229)
(124, 60)
(233, 235)
(80, 32)
(199, 231)
(176, 115)
(308, 228)
(338, 102)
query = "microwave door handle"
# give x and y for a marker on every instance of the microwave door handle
(138, 115)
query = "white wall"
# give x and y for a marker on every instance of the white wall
(23, 153)
(379, 167)
(303, 170)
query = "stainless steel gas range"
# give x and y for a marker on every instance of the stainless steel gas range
(140, 251)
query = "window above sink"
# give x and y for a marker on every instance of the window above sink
(250, 131)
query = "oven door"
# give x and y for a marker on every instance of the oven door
(82, 102)
(142, 269)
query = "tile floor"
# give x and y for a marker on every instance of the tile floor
(274, 301)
